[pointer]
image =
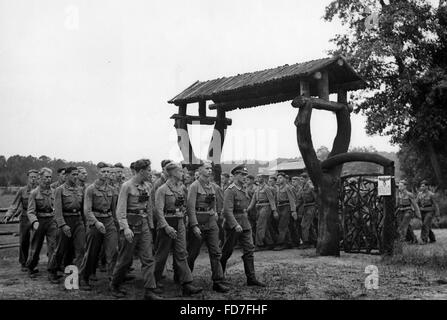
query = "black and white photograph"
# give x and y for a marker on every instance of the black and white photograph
(212, 153)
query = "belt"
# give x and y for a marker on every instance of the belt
(73, 212)
(205, 211)
(283, 203)
(47, 211)
(309, 204)
(100, 214)
(137, 211)
(405, 208)
(174, 214)
(262, 202)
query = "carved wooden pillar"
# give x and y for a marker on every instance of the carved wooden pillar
(183, 140)
(216, 144)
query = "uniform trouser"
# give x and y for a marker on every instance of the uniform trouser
(411, 236)
(209, 235)
(263, 225)
(165, 244)
(142, 245)
(245, 240)
(24, 238)
(283, 224)
(427, 218)
(47, 229)
(220, 223)
(76, 241)
(94, 242)
(403, 219)
(307, 228)
(295, 230)
(253, 223)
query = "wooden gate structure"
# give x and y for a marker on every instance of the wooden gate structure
(309, 85)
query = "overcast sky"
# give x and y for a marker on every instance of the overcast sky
(90, 80)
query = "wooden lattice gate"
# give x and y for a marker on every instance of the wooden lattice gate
(361, 213)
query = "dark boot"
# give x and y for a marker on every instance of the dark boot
(249, 267)
(188, 289)
(116, 291)
(220, 287)
(255, 282)
(149, 294)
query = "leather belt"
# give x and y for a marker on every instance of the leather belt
(73, 212)
(137, 211)
(174, 214)
(405, 208)
(262, 202)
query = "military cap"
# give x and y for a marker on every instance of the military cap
(101, 165)
(282, 174)
(165, 162)
(69, 170)
(172, 165)
(45, 169)
(226, 175)
(142, 164)
(239, 169)
(32, 171)
(118, 165)
(81, 168)
(273, 177)
(424, 182)
(61, 170)
(295, 178)
(132, 165)
(305, 175)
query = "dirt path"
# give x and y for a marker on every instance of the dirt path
(289, 274)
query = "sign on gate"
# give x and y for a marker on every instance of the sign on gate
(384, 185)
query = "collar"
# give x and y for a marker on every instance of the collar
(66, 186)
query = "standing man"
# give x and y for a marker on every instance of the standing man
(429, 209)
(20, 206)
(41, 216)
(225, 181)
(295, 225)
(406, 207)
(101, 229)
(68, 199)
(237, 226)
(251, 187)
(134, 214)
(306, 198)
(286, 208)
(170, 212)
(60, 179)
(263, 201)
(202, 211)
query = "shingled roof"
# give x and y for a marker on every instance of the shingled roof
(281, 82)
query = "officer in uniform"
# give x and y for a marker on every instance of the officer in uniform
(429, 209)
(237, 226)
(406, 207)
(202, 211)
(101, 229)
(286, 208)
(41, 216)
(134, 214)
(20, 206)
(170, 210)
(306, 198)
(264, 202)
(60, 179)
(68, 199)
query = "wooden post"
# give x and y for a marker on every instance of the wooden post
(323, 86)
(389, 234)
(215, 147)
(202, 108)
(304, 88)
(183, 140)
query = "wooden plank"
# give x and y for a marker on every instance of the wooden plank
(253, 102)
(318, 103)
(304, 88)
(323, 85)
(202, 108)
(201, 120)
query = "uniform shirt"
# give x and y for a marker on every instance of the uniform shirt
(157, 184)
(67, 201)
(236, 199)
(98, 201)
(404, 199)
(198, 191)
(40, 204)
(225, 186)
(263, 194)
(20, 202)
(128, 199)
(306, 194)
(426, 200)
(285, 194)
(165, 198)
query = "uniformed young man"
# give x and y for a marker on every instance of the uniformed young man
(203, 216)
(307, 199)
(406, 208)
(101, 229)
(134, 214)
(295, 225)
(20, 206)
(285, 202)
(60, 179)
(41, 216)
(170, 209)
(225, 181)
(237, 226)
(429, 210)
(263, 201)
(68, 199)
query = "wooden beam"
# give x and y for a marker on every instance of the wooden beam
(253, 102)
(323, 86)
(202, 120)
(320, 104)
(202, 108)
(182, 109)
(304, 88)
